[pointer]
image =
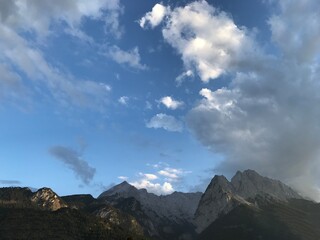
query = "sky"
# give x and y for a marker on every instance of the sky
(162, 94)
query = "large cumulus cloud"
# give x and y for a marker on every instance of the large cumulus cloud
(268, 117)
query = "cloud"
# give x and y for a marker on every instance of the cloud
(148, 105)
(166, 122)
(156, 188)
(123, 178)
(302, 43)
(22, 56)
(172, 174)
(267, 118)
(131, 58)
(162, 181)
(12, 88)
(21, 14)
(123, 100)
(207, 39)
(155, 17)
(10, 182)
(149, 176)
(170, 103)
(183, 76)
(73, 160)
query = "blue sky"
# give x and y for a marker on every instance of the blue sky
(161, 94)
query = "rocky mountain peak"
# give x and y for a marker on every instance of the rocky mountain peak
(249, 183)
(220, 182)
(222, 196)
(157, 212)
(123, 189)
(48, 199)
(219, 198)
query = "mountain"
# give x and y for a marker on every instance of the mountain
(45, 215)
(248, 207)
(294, 219)
(163, 217)
(46, 199)
(218, 199)
(222, 196)
(249, 183)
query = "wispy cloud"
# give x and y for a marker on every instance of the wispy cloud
(130, 58)
(183, 76)
(166, 122)
(123, 178)
(23, 56)
(123, 100)
(73, 160)
(10, 182)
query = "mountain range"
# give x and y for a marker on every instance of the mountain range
(249, 206)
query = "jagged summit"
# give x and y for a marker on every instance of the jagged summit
(48, 199)
(249, 183)
(123, 189)
(157, 212)
(221, 196)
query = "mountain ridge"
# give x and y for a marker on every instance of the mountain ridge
(222, 195)
(227, 209)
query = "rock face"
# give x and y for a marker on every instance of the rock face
(47, 199)
(176, 206)
(249, 183)
(160, 215)
(218, 199)
(222, 196)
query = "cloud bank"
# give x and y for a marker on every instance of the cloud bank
(267, 118)
(161, 181)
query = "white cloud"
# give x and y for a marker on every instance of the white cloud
(123, 100)
(149, 176)
(183, 76)
(166, 122)
(63, 87)
(18, 17)
(268, 117)
(302, 44)
(162, 181)
(12, 88)
(156, 188)
(148, 105)
(123, 178)
(21, 14)
(207, 39)
(172, 174)
(170, 103)
(131, 58)
(153, 18)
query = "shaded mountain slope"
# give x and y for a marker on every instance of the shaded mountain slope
(162, 217)
(44, 215)
(222, 196)
(268, 219)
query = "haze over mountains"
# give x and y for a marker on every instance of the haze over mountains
(249, 206)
